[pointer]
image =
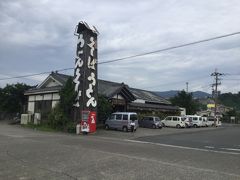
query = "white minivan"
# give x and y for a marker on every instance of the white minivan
(197, 121)
(173, 121)
(122, 121)
(211, 122)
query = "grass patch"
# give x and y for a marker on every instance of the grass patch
(70, 128)
(40, 127)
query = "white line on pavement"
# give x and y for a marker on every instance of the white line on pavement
(209, 147)
(183, 147)
(230, 149)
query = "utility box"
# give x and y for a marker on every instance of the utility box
(37, 118)
(25, 118)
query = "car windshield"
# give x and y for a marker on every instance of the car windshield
(157, 119)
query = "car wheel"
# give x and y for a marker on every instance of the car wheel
(125, 129)
(178, 126)
(154, 126)
(106, 127)
(195, 126)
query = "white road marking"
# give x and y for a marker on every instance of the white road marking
(15, 136)
(183, 147)
(209, 147)
(231, 149)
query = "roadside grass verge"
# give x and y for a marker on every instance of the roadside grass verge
(40, 127)
(70, 128)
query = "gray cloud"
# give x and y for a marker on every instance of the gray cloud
(37, 36)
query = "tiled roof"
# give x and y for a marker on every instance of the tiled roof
(153, 106)
(148, 96)
(109, 89)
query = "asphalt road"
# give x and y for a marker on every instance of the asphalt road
(225, 139)
(28, 154)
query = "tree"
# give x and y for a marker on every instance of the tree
(230, 100)
(67, 97)
(61, 116)
(104, 108)
(183, 99)
(12, 98)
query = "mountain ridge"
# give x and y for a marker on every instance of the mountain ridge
(172, 93)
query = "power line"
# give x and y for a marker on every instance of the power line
(228, 74)
(169, 48)
(134, 56)
(231, 79)
(36, 74)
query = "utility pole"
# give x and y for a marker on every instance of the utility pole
(215, 91)
(187, 87)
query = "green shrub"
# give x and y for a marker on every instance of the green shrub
(57, 119)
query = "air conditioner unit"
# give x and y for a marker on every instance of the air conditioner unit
(37, 118)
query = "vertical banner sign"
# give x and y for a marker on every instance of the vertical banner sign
(85, 73)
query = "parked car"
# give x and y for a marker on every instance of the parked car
(196, 120)
(121, 121)
(173, 121)
(211, 121)
(150, 122)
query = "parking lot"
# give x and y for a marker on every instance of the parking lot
(142, 132)
(167, 153)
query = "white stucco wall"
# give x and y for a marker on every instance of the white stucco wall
(56, 96)
(39, 97)
(31, 107)
(54, 103)
(31, 98)
(47, 97)
(52, 84)
(139, 101)
(118, 97)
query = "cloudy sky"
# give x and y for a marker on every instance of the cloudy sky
(37, 36)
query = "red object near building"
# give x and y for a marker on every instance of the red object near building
(88, 122)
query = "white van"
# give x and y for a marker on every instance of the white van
(173, 121)
(197, 121)
(211, 121)
(121, 121)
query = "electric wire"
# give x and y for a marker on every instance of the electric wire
(132, 56)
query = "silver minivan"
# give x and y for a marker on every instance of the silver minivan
(150, 122)
(121, 121)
